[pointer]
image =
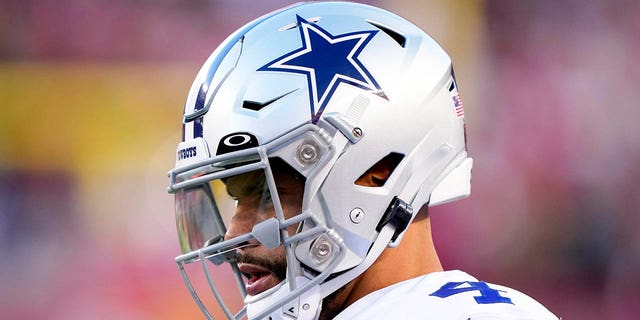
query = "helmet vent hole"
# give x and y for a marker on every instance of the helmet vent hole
(395, 35)
(379, 173)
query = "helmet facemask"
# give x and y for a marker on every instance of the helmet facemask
(245, 214)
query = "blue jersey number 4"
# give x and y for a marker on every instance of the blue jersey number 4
(487, 294)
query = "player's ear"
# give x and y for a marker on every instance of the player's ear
(377, 175)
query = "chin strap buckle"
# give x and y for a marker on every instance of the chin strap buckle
(399, 214)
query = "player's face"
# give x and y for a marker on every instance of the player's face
(263, 268)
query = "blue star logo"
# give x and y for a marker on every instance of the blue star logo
(327, 61)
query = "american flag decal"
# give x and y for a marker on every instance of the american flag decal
(457, 102)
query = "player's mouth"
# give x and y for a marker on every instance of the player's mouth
(258, 278)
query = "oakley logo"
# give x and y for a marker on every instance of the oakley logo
(236, 141)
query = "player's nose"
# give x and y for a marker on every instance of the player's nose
(242, 221)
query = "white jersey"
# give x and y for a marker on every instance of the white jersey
(447, 295)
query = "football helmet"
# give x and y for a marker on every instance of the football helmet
(324, 91)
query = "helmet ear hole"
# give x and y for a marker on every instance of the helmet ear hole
(379, 173)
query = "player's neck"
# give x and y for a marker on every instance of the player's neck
(415, 256)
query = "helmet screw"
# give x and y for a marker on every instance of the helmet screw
(357, 132)
(356, 215)
(321, 249)
(305, 306)
(307, 153)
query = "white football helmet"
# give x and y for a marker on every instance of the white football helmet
(330, 89)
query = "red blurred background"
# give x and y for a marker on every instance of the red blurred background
(91, 96)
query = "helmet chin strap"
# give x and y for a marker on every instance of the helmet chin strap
(309, 304)
(383, 239)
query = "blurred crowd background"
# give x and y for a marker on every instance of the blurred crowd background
(91, 98)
